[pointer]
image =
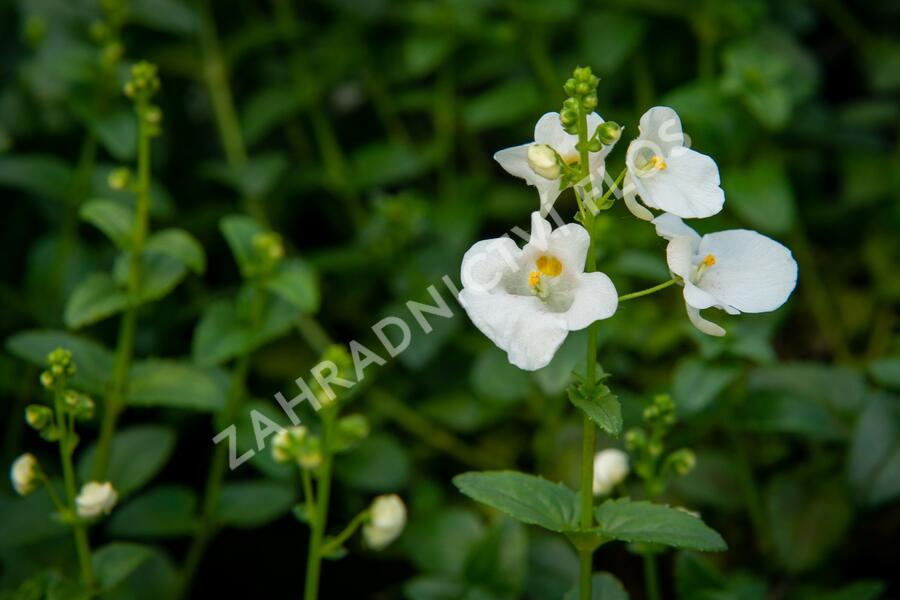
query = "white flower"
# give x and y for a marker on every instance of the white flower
(95, 499)
(736, 270)
(535, 162)
(610, 469)
(387, 519)
(667, 175)
(528, 300)
(24, 474)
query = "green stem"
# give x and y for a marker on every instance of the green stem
(215, 71)
(213, 491)
(651, 577)
(338, 540)
(115, 401)
(648, 291)
(314, 556)
(82, 546)
(589, 440)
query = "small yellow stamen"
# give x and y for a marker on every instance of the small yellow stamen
(534, 278)
(657, 162)
(710, 260)
(549, 265)
(572, 159)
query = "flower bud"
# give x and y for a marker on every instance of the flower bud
(608, 133)
(118, 179)
(351, 430)
(582, 74)
(610, 469)
(569, 86)
(589, 101)
(682, 461)
(297, 444)
(96, 499)
(387, 518)
(544, 161)
(38, 416)
(80, 405)
(635, 439)
(24, 474)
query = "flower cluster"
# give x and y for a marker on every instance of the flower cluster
(527, 299)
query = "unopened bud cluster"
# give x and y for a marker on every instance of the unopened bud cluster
(648, 444)
(269, 250)
(143, 84)
(60, 367)
(581, 90)
(297, 444)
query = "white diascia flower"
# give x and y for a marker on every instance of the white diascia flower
(536, 162)
(24, 474)
(666, 174)
(610, 469)
(528, 300)
(736, 270)
(386, 521)
(96, 499)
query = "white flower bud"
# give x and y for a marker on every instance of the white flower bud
(543, 160)
(388, 517)
(96, 499)
(24, 474)
(282, 446)
(610, 469)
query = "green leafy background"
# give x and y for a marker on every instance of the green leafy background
(365, 133)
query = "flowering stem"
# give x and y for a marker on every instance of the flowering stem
(115, 401)
(314, 556)
(589, 440)
(648, 291)
(651, 577)
(82, 546)
(338, 540)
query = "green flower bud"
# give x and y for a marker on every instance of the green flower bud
(569, 87)
(80, 405)
(47, 379)
(354, 427)
(144, 81)
(118, 179)
(635, 439)
(589, 102)
(654, 448)
(682, 461)
(582, 88)
(544, 161)
(38, 416)
(269, 248)
(582, 74)
(608, 133)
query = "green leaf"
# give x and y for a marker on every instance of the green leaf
(178, 244)
(505, 103)
(379, 464)
(385, 163)
(608, 38)
(600, 404)
(255, 178)
(29, 519)
(239, 231)
(499, 561)
(604, 586)
(268, 108)
(840, 388)
(631, 521)
(163, 512)
(886, 371)
(160, 274)
(788, 413)
(95, 299)
(493, 377)
(113, 218)
(158, 382)
(38, 174)
(808, 519)
(440, 542)
(251, 504)
(528, 498)
(117, 560)
(93, 361)
(760, 193)
(138, 453)
(697, 384)
(296, 283)
(873, 466)
(117, 131)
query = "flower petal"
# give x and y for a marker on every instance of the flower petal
(679, 255)
(548, 191)
(518, 325)
(595, 298)
(753, 273)
(670, 226)
(629, 193)
(698, 298)
(661, 126)
(569, 244)
(487, 261)
(687, 187)
(707, 327)
(515, 162)
(549, 130)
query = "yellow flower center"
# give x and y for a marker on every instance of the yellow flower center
(549, 265)
(704, 266)
(534, 278)
(710, 260)
(656, 162)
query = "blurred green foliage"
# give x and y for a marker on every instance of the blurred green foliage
(362, 133)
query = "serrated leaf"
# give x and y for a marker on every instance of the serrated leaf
(600, 405)
(95, 299)
(175, 384)
(524, 497)
(629, 521)
(93, 361)
(113, 218)
(116, 561)
(178, 244)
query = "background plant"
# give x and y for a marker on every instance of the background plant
(362, 135)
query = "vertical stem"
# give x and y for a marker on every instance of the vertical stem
(82, 546)
(651, 577)
(589, 440)
(323, 490)
(115, 401)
